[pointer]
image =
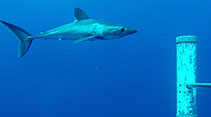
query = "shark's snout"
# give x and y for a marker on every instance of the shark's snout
(131, 31)
(135, 31)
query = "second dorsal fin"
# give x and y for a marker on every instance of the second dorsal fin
(80, 14)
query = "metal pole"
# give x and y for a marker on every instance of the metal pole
(186, 74)
(199, 85)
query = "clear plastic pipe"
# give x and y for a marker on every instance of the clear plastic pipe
(186, 75)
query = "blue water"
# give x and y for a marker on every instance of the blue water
(134, 76)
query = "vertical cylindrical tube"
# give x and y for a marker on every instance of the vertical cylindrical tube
(186, 73)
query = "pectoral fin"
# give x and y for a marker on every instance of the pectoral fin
(83, 39)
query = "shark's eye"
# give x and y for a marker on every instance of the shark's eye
(122, 29)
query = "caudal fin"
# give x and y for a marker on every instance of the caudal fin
(22, 35)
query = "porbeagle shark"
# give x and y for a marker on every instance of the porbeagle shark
(82, 29)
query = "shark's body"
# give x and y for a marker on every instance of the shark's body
(81, 29)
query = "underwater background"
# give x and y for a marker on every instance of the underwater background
(134, 76)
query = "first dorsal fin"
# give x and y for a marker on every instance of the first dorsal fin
(80, 14)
